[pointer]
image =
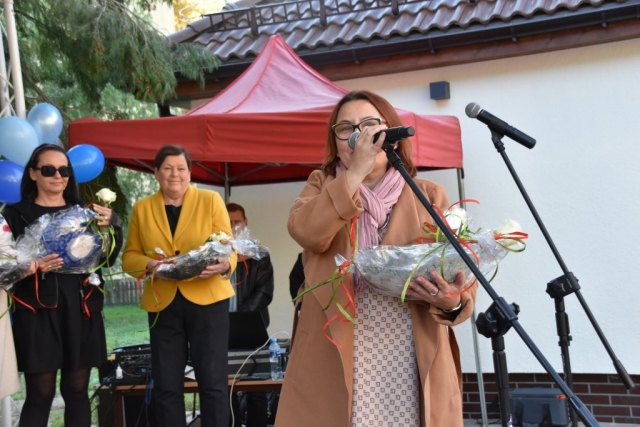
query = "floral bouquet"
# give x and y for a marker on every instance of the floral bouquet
(71, 233)
(390, 269)
(220, 245)
(190, 265)
(14, 263)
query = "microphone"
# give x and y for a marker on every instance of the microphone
(392, 135)
(475, 111)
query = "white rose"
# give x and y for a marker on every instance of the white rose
(106, 196)
(220, 237)
(456, 218)
(509, 226)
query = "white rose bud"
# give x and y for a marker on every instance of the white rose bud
(509, 226)
(456, 218)
(106, 196)
(219, 237)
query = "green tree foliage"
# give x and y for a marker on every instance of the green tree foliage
(100, 58)
(88, 44)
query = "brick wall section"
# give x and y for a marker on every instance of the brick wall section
(604, 395)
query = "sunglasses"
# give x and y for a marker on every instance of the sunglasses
(49, 171)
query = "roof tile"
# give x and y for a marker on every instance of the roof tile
(229, 33)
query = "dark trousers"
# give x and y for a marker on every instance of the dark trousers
(201, 331)
(256, 407)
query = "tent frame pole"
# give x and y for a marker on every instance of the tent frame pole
(14, 56)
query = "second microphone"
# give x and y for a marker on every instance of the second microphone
(392, 135)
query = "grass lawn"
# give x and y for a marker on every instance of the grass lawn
(124, 325)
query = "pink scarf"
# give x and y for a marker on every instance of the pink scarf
(377, 204)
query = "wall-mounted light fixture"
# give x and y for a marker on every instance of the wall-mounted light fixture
(439, 90)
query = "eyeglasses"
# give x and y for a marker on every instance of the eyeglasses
(344, 130)
(49, 171)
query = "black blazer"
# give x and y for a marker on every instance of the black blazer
(254, 290)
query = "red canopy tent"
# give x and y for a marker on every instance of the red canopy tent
(268, 126)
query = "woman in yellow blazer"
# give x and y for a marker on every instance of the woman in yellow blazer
(193, 318)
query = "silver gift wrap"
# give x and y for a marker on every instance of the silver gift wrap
(387, 268)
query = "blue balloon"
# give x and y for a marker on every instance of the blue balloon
(10, 178)
(47, 122)
(18, 139)
(87, 162)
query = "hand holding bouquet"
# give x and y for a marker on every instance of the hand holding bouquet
(218, 246)
(72, 234)
(190, 265)
(390, 269)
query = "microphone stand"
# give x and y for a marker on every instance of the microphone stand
(561, 286)
(500, 317)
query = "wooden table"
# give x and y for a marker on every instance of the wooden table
(189, 387)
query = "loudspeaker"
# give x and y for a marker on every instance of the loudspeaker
(439, 90)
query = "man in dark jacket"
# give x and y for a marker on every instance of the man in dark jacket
(254, 292)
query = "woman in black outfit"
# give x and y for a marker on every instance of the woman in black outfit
(58, 324)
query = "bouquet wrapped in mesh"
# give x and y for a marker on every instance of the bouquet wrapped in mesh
(14, 263)
(390, 269)
(218, 246)
(190, 265)
(73, 234)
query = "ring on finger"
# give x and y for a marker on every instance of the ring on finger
(435, 293)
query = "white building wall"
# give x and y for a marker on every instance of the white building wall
(583, 107)
(163, 18)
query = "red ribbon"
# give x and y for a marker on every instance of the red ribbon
(38, 293)
(23, 303)
(246, 270)
(341, 271)
(85, 307)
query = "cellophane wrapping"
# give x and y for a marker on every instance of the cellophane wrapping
(246, 246)
(389, 268)
(71, 233)
(386, 268)
(219, 246)
(15, 262)
(190, 265)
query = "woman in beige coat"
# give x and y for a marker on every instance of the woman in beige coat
(398, 365)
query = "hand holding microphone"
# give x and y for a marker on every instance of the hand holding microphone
(392, 135)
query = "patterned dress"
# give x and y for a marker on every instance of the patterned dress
(386, 388)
